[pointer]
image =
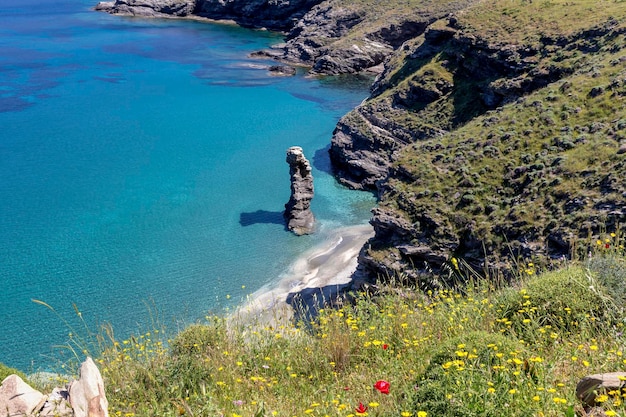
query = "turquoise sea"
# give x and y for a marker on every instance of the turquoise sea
(143, 173)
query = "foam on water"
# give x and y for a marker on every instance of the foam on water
(143, 162)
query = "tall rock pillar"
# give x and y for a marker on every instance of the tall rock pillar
(298, 214)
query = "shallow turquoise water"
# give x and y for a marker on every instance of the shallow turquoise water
(142, 163)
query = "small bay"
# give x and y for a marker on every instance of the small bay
(143, 173)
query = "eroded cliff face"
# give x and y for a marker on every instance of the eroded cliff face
(339, 37)
(489, 152)
(436, 83)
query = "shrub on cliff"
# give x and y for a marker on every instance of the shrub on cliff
(475, 362)
(567, 300)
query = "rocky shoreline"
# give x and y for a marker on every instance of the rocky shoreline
(532, 96)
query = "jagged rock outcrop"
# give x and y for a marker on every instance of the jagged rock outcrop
(149, 8)
(298, 214)
(84, 397)
(270, 14)
(345, 38)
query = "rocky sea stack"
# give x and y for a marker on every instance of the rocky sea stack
(298, 214)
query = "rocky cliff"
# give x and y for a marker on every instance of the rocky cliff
(329, 37)
(495, 138)
(272, 14)
(495, 132)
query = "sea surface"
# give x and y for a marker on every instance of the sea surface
(143, 173)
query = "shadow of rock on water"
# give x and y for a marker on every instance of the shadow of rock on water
(262, 216)
(321, 160)
(308, 302)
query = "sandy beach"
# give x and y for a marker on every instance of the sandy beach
(328, 266)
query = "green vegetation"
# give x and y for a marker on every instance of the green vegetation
(515, 112)
(516, 115)
(476, 350)
(6, 371)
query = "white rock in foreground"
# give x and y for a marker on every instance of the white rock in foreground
(87, 395)
(17, 398)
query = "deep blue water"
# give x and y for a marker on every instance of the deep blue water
(142, 163)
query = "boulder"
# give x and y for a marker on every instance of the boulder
(282, 70)
(87, 395)
(17, 398)
(298, 214)
(593, 385)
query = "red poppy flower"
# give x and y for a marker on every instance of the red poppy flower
(361, 409)
(607, 246)
(382, 386)
(385, 346)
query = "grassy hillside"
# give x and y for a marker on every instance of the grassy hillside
(479, 350)
(514, 113)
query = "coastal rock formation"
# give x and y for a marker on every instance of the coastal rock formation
(84, 397)
(331, 37)
(482, 149)
(274, 15)
(298, 214)
(149, 8)
(282, 70)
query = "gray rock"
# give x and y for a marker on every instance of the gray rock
(282, 70)
(272, 14)
(593, 385)
(17, 398)
(298, 214)
(275, 15)
(148, 8)
(87, 395)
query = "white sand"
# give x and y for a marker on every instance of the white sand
(331, 263)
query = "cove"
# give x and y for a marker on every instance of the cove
(143, 174)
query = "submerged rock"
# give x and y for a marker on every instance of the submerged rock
(282, 70)
(300, 218)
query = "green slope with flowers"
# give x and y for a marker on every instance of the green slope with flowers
(480, 349)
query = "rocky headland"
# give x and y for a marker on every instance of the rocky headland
(495, 132)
